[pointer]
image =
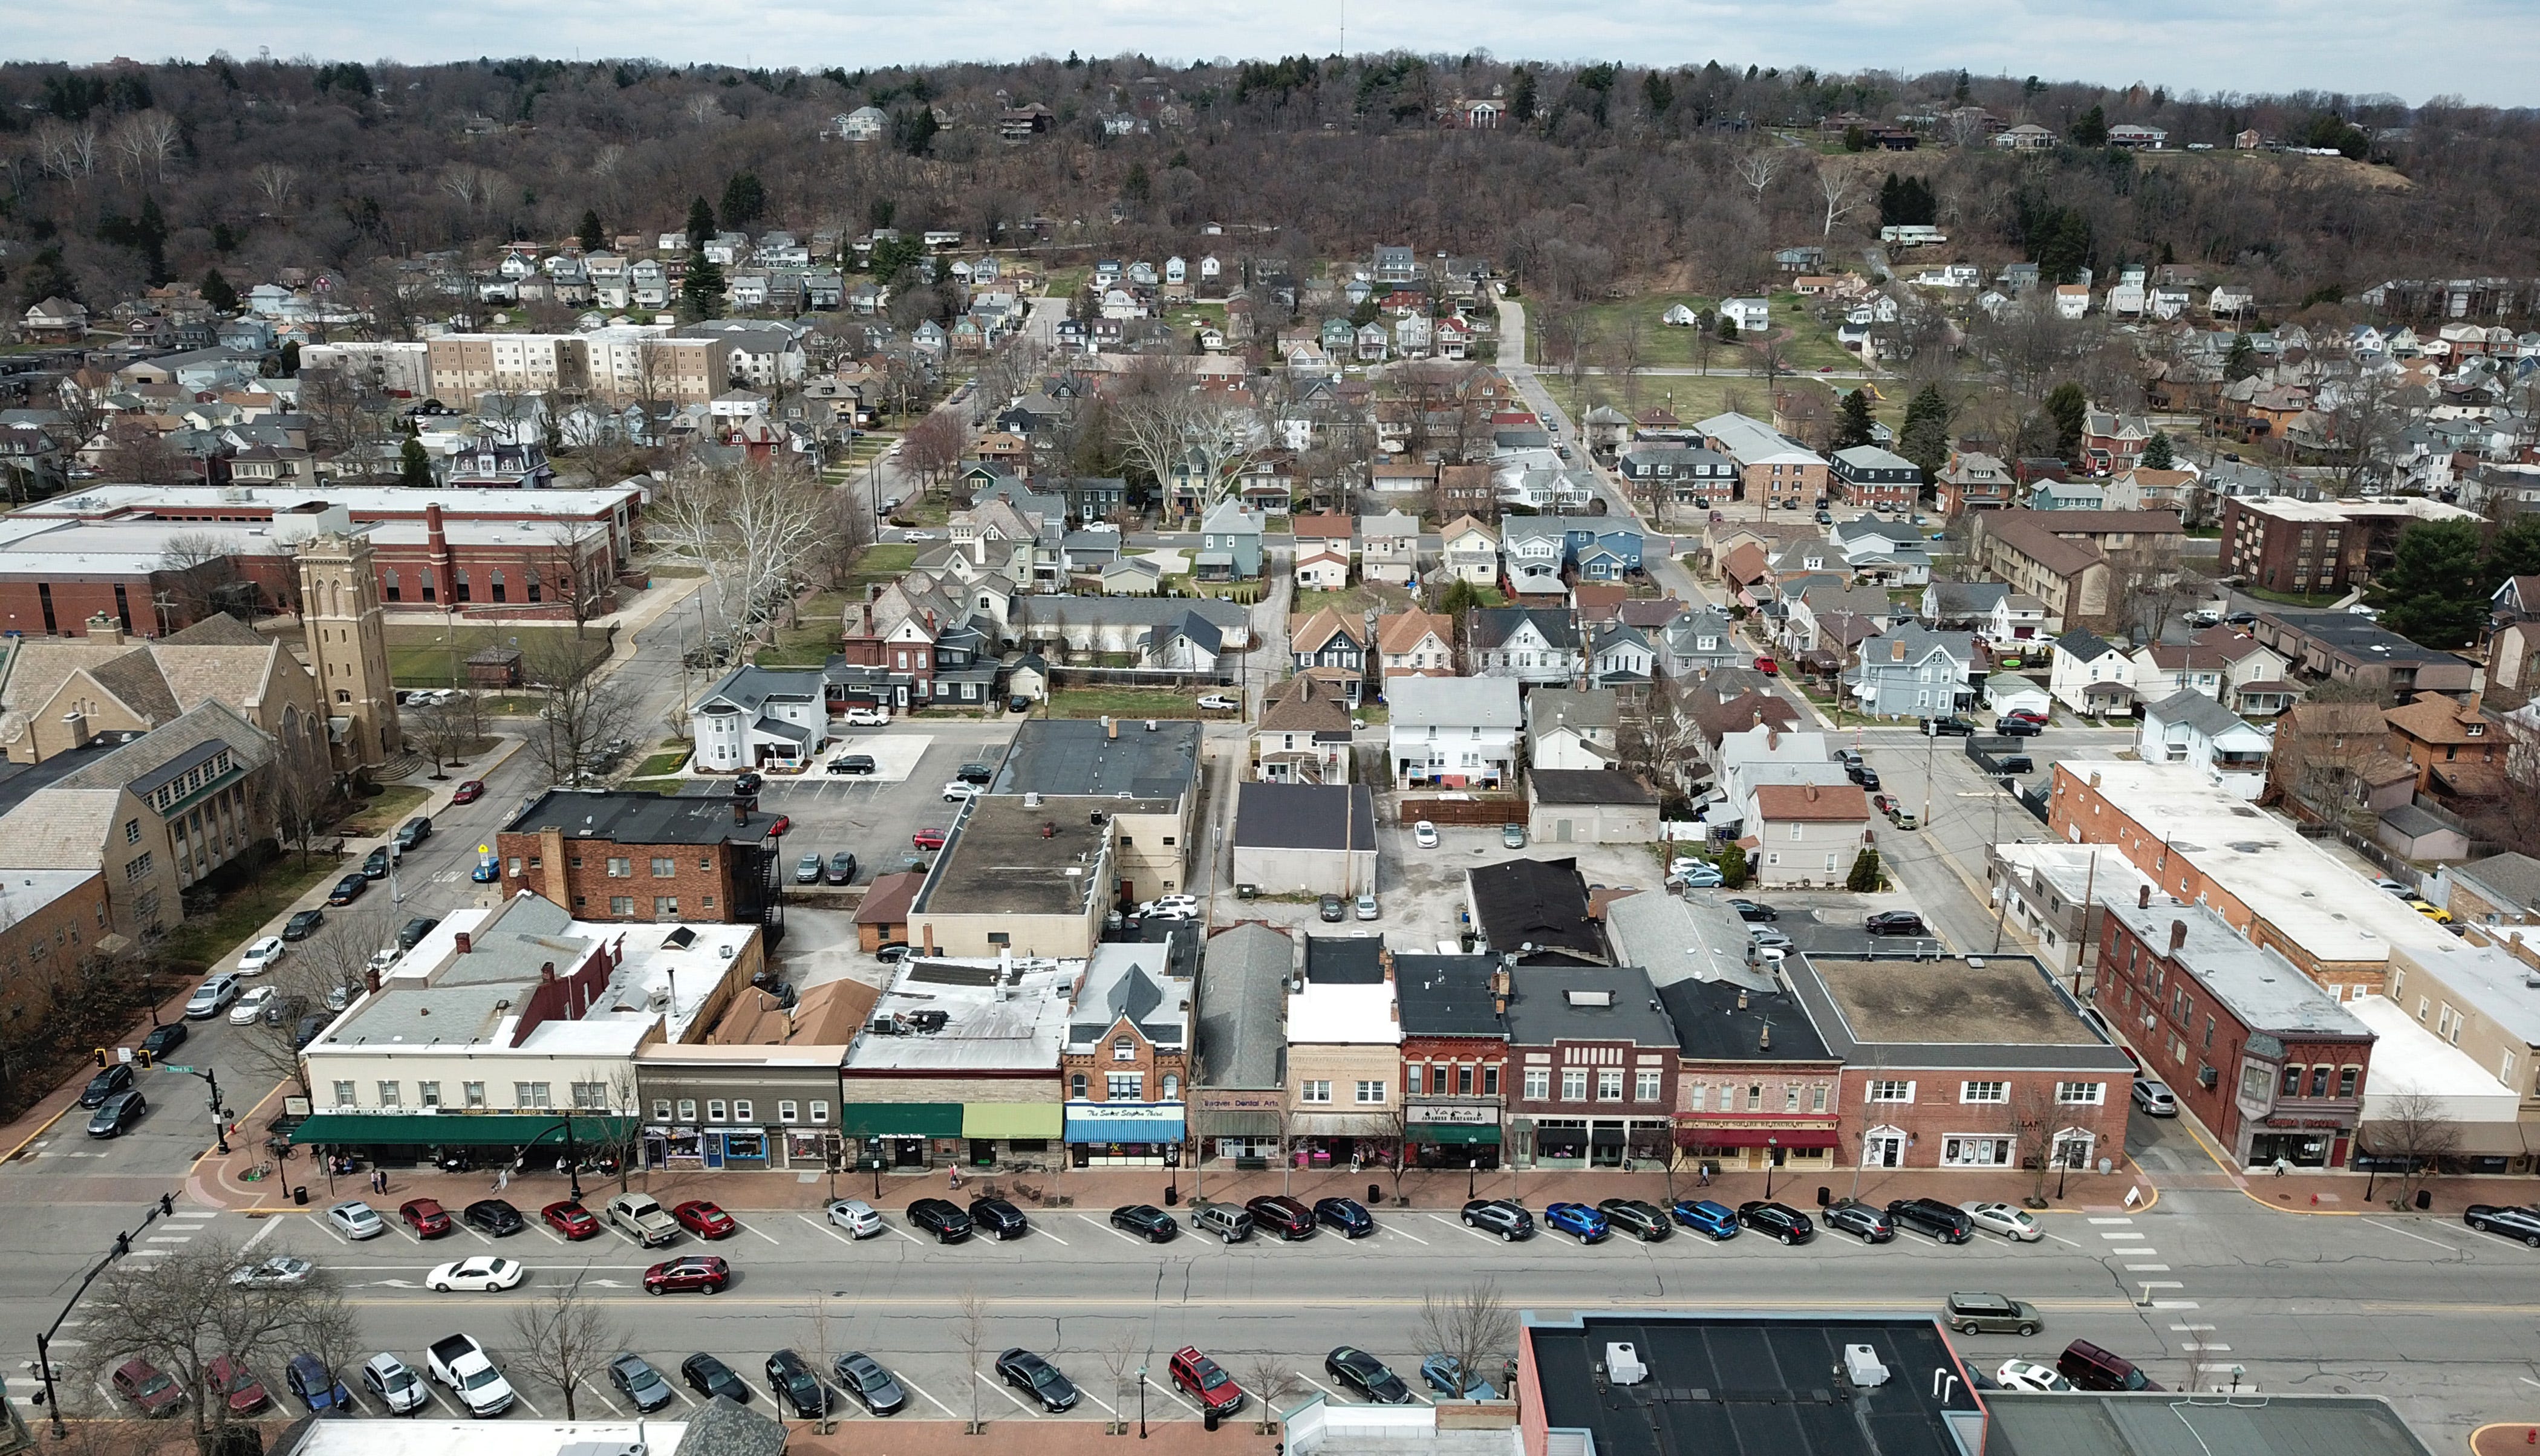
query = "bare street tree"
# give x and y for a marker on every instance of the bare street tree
(1119, 1355)
(1196, 442)
(751, 527)
(204, 575)
(579, 710)
(972, 1332)
(2413, 1127)
(565, 1339)
(1269, 1378)
(1473, 1325)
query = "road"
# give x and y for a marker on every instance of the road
(2425, 1311)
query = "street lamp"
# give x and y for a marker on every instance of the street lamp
(1771, 1147)
(1472, 1176)
(1141, 1403)
(571, 1158)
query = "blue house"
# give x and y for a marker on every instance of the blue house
(1230, 544)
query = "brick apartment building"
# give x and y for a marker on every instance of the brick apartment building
(1454, 1057)
(2319, 547)
(1772, 468)
(2272, 1065)
(1755, 1085)
(1596, 1060)
(612, 856)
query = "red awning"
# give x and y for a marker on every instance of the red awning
(1702, 1136)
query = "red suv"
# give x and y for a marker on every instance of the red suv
(570, 1219)
(704, 1219)
(930, 839)
(703, 1273)
(425, 1217)
(1285, 1217)
(1202, 1380)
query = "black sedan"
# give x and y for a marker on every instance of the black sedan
(493, 1215)
(164, 1039)
(1368, 1375)
(998, 1219)
(1038, 1378)
(1331, 910)
(1345, 1217)
(1894, 923)
(1857, 1217)
(711, 1377)
(942, 1219)
(1147, 1222)
(1751, 910)
(791, 1377)
(303, 925)
(1864, 776)
(862, 1378)
(348, 889)
(1777, 1220)
(639, 1382)
(2507, 1220)
(1638, 1218)
(113, 1079)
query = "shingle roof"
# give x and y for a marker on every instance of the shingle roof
(1589, 785)
(1304, 704)
(1242, 995)
(1536, 902)
(165, 744)
(1833, 804)
(1304, 816)
(1453, 702)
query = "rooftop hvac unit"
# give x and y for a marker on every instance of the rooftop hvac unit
(1862, 1367)
(1623, 1364)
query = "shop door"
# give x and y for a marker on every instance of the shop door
(983, 1153)
(713, 1141)
(908, 1153)
(1883, 1150)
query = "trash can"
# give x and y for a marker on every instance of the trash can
(2425, 1199)
(1825, 1196)
(299, 1195)
(1208, 1418)
(1375, 1194)
(1172, 1195)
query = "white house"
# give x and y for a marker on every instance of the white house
(1752, 315)
(1568, 729)
(1472, 552)
(2189, 727)
(761, 716)
(1391, 550)
(2089, 676)
(1679, 316)
(1453, 732)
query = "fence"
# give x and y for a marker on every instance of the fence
(1461, 808)
(1162, 678)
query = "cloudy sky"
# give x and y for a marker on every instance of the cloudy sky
(2482, 51)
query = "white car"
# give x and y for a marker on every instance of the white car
(867, 718)
(483, 1274)
(2016, 1225)
(1219, 703)
(1367, 907)
(917, 535)
(2017, 1375)
(385, 958)
(357, 1220)
(279, 1272)
(1164, 903)
(858, 1218)
(253, 1005)
(259, 957)
(1169, 912)
(957, 792)
(1425, 835)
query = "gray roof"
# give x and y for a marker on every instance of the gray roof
(1128, 980)
(1695, 937)
(1243, 1004)
(1549, 707)
(1920, 642)
(1446, 995)
(1453, 702)
(1554, 1003)
(2197, 711)
(1722, 1021)
(1304, 816)
(722, 1428)
(1074, 756)
(1136, 611)
(180, 740)
(2507, 879)
(1493, 625)
(1344, 960)
(2086, 645)
(2259, 987)
(621, 816)
(752, 686)
(2091, 1423)
(1871, 457)
(1588, 786)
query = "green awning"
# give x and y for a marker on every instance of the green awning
(1012, 1120)
(1453, 1133)
(900, 1119)
(456, 1129)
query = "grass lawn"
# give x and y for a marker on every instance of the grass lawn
(813, 637)
(665, 762)
(1354, 601)
(420, 655)
(390, 807)
(2294, 598)
(653, 786)
(880, 565)
(1123, 702)
(205, 938)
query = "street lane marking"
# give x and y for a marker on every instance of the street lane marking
(2173, 1304)
(2209, 1349)
(1176, 1397)
(158, 1238)
(2419, 1237)
(2125, 1236)
(1406, 1234)
(2146, 1269)
(2190, 1329)
(825, 1228)
(2112, 1220)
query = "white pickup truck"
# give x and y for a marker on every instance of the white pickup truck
(463, 1365)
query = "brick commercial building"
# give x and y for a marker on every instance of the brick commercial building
(2272, 1065)
(2319, 547)
(1964, 1065)
(1127, 1060)
(611, 856)
(1594, 1058)
(1772, 468)
(1455, 1055)
(1755, 1085)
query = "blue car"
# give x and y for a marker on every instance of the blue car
(1345, 1217)
(317, 1388)
(1579, 1220)
(488, 870)
(1702, 1216)
(1440, 1371)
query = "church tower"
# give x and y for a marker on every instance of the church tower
(348, 651)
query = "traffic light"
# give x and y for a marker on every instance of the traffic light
(141, 1059)
(101, 1056)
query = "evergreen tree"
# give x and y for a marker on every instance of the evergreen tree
(1521, 94)
(744, 200)
(913, 131)
(1852, 420)
(592, 237)
(414, 465)
(2514, 552)
(701, 293)
(2065, 405)
(1925, 440)
(1727, 330)
(1733, 867)
(2242, 360)
(2159, 454)
(1855, 139)
(1891, 209)
(1864, 879)
(2090, 128)
(2430, 593)
(1658, 91)
(290, 362)
(701, 223)
(217, 291)
(1137, 186)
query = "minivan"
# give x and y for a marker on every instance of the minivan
(2092, 1369)
(1227, 1221)
(1951, 1226)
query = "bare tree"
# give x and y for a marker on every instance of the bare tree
(933, 447)
(1757, 169)
(751, 527)
(565, 1339)
(276, 184)
(1966, 127)
(67, 152)
(2147, 584)
(1196, 442)
(2414, 1127)
(181, 1312)
(1474, 1325)
(1268, 1376)
(972, 1332)
(442, 731)
(145, 142)
(1657, 737)
(204, 578)
(579, 710)
(1839, 187)
(2032, 1129)
(1119, 1354)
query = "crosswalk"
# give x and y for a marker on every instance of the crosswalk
(2127, 1242)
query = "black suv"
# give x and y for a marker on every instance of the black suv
(978, 774)
(998, 1219)
(1951, 1226)
(1779, 1220)
(1634, 1216)
(493, 1215)
(1894, 923)
(1503, 1217)
(1948, 728)
(1287, 1218)
(1751, 910)
(1147, 1222)
(1855, 1216)
(2510, 1221)
(1863, 774)
(944, 1220)
(711, 1377)
(413, 832)
(113, 1079)
(789, 1376)
(303, 924)
(375, 864)
(2017, 728)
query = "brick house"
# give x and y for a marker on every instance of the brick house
(2272, 1066)
(1974, 481)
(644, 857)
(1127, 1059)
(1455, 1055)
(1595, 1060)
(1755, 1085)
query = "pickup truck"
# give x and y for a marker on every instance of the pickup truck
(461, 1364)
(641, 1219)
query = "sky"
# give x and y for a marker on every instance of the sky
(2485, 51)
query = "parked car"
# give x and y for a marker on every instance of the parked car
(1777, 1220)
(315, 1386)
(1217, 703)
(1696, 874)
(862, 1376)
(1864, 776)
(1368, 1375)
(1578, 1220)
(416, 830)
(212, 996)
(930, 838)
(854, 763)
(1503, 1217)
(998, 1219)
(703, 1218)
(2430, 910)
(1204, 1381)
(1894, 923)
(1145, 1220)
(807, 871)
(1445, 1374)
(859, 1218)
(2029, 1375)
(641, 1384)
(1990, 1315)
(1947, 728)
(957, 792)
(114, 1080)
(1928, 1215)
(153, 1391)
(230, 1379)
(259, 956)
(1513, 836)
(1227, 1221)
(396, 1384)
(2093, 1368)
(411, 934)
(1767, 665)
(116, 1115)
(711, 1377)
(469, 792)
(357, 1220)
(1425, 835)
(2019, 1226)
(1860, 1219)
(2017, 728)
(867, 718)
(842, 869)
(571, 1219)
(1636, 1216)
(1345, 1217)
(489, 870)
(1702, 1216)
(1038, 1378)
(483, 1274)
(978, 775)
(493, 1215)
(945, 1220)
(1752, 910)
(747, 785)
(1332, 910)
(1287, 1218)
(1367, 907)
(375, 864)
(706, 1273)
(303, 924)
(2508, 1221)
(252, 1005)
(425, 1216)
(792, 1378)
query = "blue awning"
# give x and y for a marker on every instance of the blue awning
(1125, 1130)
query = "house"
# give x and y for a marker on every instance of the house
(1453, 732)
(1751, 315)
(1303, 838)
(1877, 478)
(2089, 675)
(2500, 889)
(1470, 492)
(1974, 481)
(1390, 549)
(1571, 728)
(1913, 672)
(2131, 134)
(863, 125)
(2028, 136)
(2066, 495)
(2193, 729)
(1455, 1058)
(762, 718)
(1135, 575)
(1063, 626)
(2005, 693)
(1590, 807)
(1415, 644)
(1679, 474)
(1620, 656)
(2343, 648)
(2016, 623)
(1126, 1058)
(1755, 1084)
(2142, 489)
(1239, 1099)
(2457, 748)
(2165, 667)
(2112, 442)
(1304, 734)
(2319, 547)
(1332, 646)
(2063, 557)
(1961, 604)
(1523, 644)
(54, 320)
(1469, 550)
(1696, 642)
(1800, 834)
(1320, 566)
(1230, 544)
(2255, 678)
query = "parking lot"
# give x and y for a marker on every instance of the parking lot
(874, 814)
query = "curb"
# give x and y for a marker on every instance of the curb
(12, 1154)
(2526, 1425)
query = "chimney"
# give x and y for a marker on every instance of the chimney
(1765, 1043)
(371, 979)
(739, 812)
(2178, 936)
(2143, 897)
(105, 627)
(1499, 1002)
(1111, 729)
(1384, 958)
(1812, 792)
(2094, 778)
(546, 972)
(463, 942)
(1392, 1009)
(1742, 998)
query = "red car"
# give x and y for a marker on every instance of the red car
(703, 1273)
(704, 1219)
(469, 791)
(2026, 714)
(425, 1217)
(148, 1387)
(245, 1393)
(570, 1219)
(1767, 666)
(930, 839)
(778, 829)
(1202, 1380)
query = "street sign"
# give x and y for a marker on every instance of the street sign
(172, 1067)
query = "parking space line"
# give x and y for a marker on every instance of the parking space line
(825, 1228)
(1032, 1410)
(2061, 1239)
(909, 1384)
(1108, 1228)
(753, 1230)
(1176, 1397)
(1406, 1234)
(524, 1401)
(553, 1237)
(683, 1395)
(601, 1395)
(1042, 1232)
(1097, 1400)
(2419, 1237)
(315, 1222)
(1319, 1385)
(904, 1233)
(434, 1391)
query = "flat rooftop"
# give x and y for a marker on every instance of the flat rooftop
(365, 501)
(624, 818)
(1754, 1384)
(2091, 1423)
(1110, 757)
(1007, 858)
(2265, 991)
(999, 1016)
(2360, 637)
(2408, 1058)
(2488, 976)
(1996, 1011)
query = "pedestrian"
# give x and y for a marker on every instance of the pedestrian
(955, 1178)
(1704, 1180)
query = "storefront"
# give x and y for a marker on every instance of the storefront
(901, 1136)
(1327, 1139)
(1451, 1135)
(1751, 1147)
(1239, 1126)
(526, 1141)
(1598, 1142)
(1124, 1135)
(1011, 1132)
